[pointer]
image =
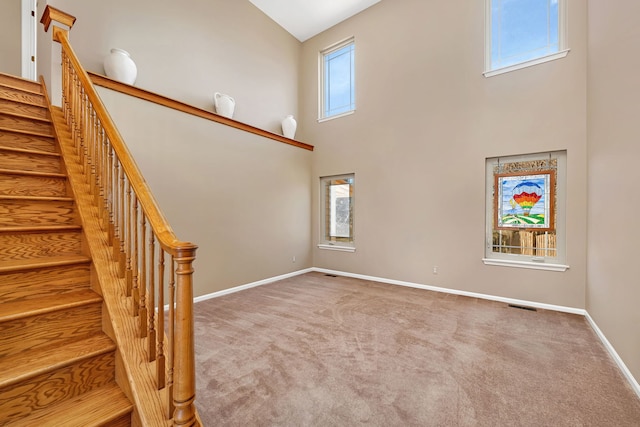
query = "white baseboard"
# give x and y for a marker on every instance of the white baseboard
(539, 305)
(614, 354)
(625, 371)
(250, 285)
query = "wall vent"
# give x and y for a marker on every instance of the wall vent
(522, 307)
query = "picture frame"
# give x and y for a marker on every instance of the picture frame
(525, 201)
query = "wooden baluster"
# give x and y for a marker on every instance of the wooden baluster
(116, 198)
(91, 143)
(129, 247)
(65, 84)
(74, 102)
(142, 284)
(185, 373)
(111, 195)
(151, 298)
(171, 337)
(121, 223)
(83, 140)
(160, 360)
(134, 258)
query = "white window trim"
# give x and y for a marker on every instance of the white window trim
(340, 248)
(530, 63)
(563, 50)
(323, 242)
(321, 54)
(337, 116)
(534, 265)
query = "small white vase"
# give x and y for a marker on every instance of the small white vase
(224, 104)
(289, 126)
(119, 66)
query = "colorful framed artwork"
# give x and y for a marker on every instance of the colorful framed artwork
(524, 201)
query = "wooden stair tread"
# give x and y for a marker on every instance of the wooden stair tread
(32, 173)
(39, 228)
(7, 78)
(27, 264)
(27, 132)
(92, 409)
(26, 151)
(25, 116)
(20, 367)
(47, 304)
(44, 107)
(37, 198)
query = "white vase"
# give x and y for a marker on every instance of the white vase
(119, 66)
(289, 126)
(224, 104)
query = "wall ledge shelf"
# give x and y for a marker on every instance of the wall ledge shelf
(106, 82)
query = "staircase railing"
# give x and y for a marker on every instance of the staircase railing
(156, 266)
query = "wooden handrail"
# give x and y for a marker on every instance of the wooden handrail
(138, 233)
(168, 239)
(146, 95)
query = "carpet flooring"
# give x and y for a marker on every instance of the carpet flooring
(315, 350)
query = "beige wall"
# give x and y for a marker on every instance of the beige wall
(189, 51)
(243, 199)
(613, 290)
(10, 36)
(426, 120)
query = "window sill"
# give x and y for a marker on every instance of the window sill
(526, 64)
(336, 247)
(525, 264)
(337, 116)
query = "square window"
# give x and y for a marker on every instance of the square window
(524, 32)
(525, 211)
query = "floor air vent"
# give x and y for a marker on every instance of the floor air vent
(331, 275)
(522, 307)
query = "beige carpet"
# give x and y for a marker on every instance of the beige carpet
(315, 350)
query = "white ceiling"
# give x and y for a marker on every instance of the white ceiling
(306, 18)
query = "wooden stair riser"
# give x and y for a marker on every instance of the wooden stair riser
(19, 108)
(35, 283)
(21, 96)
(32, 185)
(26, 124)
(17, 82)
(24, 212)
(54, 328)
(29, 161)
(105, 406)
(10, 139)
(30, 245)
(38, 393)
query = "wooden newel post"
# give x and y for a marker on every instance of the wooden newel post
(184, 386)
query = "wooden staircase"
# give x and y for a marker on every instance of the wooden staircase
(57, 365)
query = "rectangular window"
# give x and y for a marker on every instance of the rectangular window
(520, 33)
(525, 211)
(337, 92)
(337, 194)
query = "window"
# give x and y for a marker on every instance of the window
(337, 212)
(337, 90)
(521, 33)
(525, 211)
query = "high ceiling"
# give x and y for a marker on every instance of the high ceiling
(306, 18)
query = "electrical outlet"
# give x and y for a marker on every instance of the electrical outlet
(435, 269)
(293, 259)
